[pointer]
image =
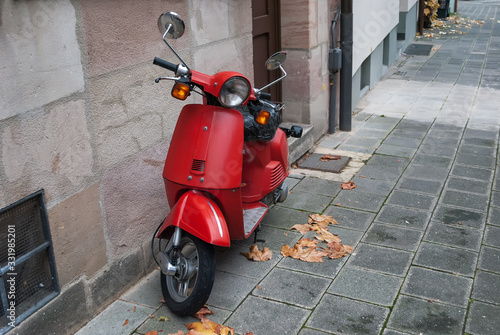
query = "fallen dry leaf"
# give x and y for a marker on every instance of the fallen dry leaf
(163, 318)
(322, 220)
(135, 308)
(258, 256)
(209, 327)
(329, 157)
(179, 332)
(324, 235)
(125, 323)
(155, 332)
(302, 228)
(348, 186)
(202, 312)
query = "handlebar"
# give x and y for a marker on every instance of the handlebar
(165, 64)
(265, 96)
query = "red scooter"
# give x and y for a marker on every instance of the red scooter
(227, 163)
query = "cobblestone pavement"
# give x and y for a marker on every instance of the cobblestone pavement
(424, 218)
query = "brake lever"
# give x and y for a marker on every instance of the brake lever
(157, 80)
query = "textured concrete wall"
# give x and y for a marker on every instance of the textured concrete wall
(81, 117)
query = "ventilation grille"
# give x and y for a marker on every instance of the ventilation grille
(277, 176)
(31, 281)
(198, 165)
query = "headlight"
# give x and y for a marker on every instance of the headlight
(234, 92)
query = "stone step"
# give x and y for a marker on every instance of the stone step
(299, 146)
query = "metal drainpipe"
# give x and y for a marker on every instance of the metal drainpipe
(346, 28)
(334, 65)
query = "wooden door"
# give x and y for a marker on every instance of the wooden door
(266, 41)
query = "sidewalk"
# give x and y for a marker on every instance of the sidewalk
(424, 218)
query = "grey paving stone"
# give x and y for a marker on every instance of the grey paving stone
(413, 125)
(496, 183)
(487, 287)
(495, 199)
(380, 172)
(266, 317)
(475, 160)
(492, 236)
(413, 200)
(366, 285)
(494, 216)
(441, 141)
(388, 161)
(438, 286)
(485, 142)
(478, 133)
(147, 292)
(468, 185)
(406, 217)
(372, 133)
(349, 236)
(112, 320)
(306, 201)
(375, 186)
(328, 269)
(483, 319)
(292, 182)
(402, 141)
(419, 185)
(387, 260)
(231, 261)
(440, 133)
(434, 161)
(478, 151)
(348, 147)
(437, 150)
(308, 331)
(350, 218)
(318, 186)
(274, 238)
(409, 133)
(336, 314)
(454, 235)
(282, 217)
(463, 199)
(365, 142)
(396, 150)
(388, 331)
(489, 259)
(418, 171)
(229, 290)
(448, 259)
(392, 236)
(418, 316)
(460, 217)
(292, 287)
(359, 200)
(472, 172)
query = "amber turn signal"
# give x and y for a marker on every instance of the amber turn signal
(180, 91)
(263, 117)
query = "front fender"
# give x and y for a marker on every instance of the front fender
(198, 215)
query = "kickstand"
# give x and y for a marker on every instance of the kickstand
(255, 239)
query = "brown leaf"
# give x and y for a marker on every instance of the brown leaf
(135, 308)
(329, 157)
(125, 323)
(258, 256)
(249, 333)
(328, 237)
(202, 312)
(322, 220)
(155, 332)
(348, 186)
(302, 228)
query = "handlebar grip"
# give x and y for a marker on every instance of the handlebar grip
(265, 96)
(163, 63)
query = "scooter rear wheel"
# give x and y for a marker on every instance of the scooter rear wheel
(188, 290)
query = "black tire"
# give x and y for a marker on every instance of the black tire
(188, 291)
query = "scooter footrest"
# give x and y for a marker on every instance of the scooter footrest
(252, 215)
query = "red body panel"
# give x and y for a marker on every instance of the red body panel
(206, 148)
(196, 214)
(213, 84)
(265, 167)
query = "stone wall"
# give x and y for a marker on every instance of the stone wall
(81, 118)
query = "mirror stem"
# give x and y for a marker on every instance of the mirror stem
(274, 82)
(172, 49)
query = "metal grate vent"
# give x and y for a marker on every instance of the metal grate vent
(28, 277)
(198, 165)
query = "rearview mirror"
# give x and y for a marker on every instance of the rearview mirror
(171, 25)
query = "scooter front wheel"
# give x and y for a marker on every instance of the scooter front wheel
(188, 290)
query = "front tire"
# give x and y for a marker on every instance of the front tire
(188, 290)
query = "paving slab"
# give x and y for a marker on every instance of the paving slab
(374, 186)
(365, 285)
(468, 185)
(359, 200)
(492, 236)
(394, 237)
(483, 319)
(437, 286)
(328, 269)
(487, 287)
(403, 216)
(306, 201)
(489, 259)
(282, 217)
(454, 235)
(418, 316)
(419, 185)
(386, 260)
(465, 200)
(289, 287)
(147, 292)
(350, 218)
(459, 217)
(336, 314)
(318, 186)
(443, 258)
(411, 199)
(266, 317)
(230, 290)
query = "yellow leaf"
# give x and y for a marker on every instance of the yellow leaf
(258, 256)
